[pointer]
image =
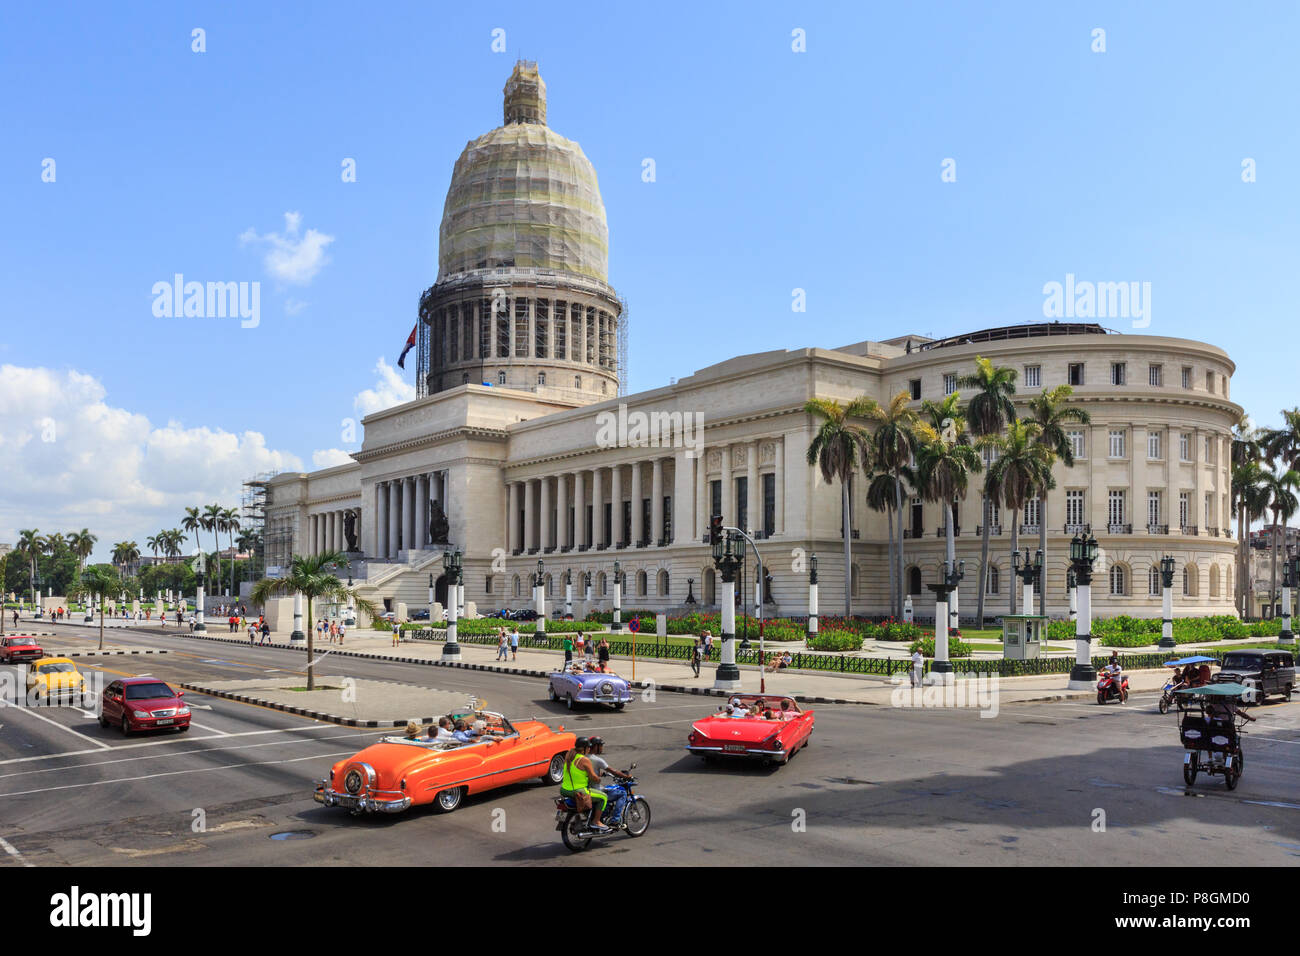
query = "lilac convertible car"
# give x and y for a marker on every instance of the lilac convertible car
(576, 686)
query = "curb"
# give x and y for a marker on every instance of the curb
(303, 711)
(107, 653)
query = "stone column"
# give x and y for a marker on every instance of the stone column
(408, 513)
(779, 481)
(684, 497)
(579, 509)
(728, 492)
(530, 515)
(616, 504)
(421, 511)
(701, 513)
(394, 506)
(597, 510)
(320, 533)
(656, 501)
(751, 481)
(546, 522)
(310, 548)
(381, 520)
(562, 538)
(513, 517)
(638, 531)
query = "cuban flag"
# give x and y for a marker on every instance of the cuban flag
(410, 344)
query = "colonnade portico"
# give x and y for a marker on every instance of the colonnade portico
(326, 530)
(403, 507)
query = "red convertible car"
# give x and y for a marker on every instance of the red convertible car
(397, 773)
(774, 736)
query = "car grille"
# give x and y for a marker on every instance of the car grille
(171, 712)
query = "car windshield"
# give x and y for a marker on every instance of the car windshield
(147, 691)
(1242, 662)
(22, 642)
(55, 669)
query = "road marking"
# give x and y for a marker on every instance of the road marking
(213, 730)
(28, 710)
(177, 773)
(9, 848)
(173, 740)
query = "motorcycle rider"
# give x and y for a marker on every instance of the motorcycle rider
(1113, 670)
(598, 761)
(578, 774)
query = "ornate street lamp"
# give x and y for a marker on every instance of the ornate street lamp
(568, 592)
(539, 599)
(617, 625)
(452, 569)
(1083, 554)
(1167, 602)
(812, 598)
(1290, 577)
(727, 560)
(1029, 568)
(949, 578)
(1072, 582)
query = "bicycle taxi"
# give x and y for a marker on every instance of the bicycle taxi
(1210, 726)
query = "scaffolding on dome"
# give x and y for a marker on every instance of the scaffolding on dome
(622, 344)
(253, 503)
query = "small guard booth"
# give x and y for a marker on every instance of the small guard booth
(1022, 636)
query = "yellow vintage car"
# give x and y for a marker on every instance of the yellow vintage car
(53, 678)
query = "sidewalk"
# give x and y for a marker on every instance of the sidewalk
(676, 677)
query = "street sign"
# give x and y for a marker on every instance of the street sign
(634, 625)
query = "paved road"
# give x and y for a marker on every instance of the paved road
(878, 785)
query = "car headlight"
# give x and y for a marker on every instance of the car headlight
(183, 711)
(140, 713)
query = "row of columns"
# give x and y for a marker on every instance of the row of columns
(325, 530)
(402, 510)
(752, 519)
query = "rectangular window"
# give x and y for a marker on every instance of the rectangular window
(1033, 376)
(646, 523)
(1187, 376)
(1153, 508)
(1116, 443)
(1209, 510)
(1118, 372)
(1209, 450)
(1076, 373)
(1155, 375)
(1032, 507)
(769, 505)
(742, 504)
(467, 331)
(453, 335)
(949, 382)
(1184, 447)
(1209, 380)
(668, 518)
(1074, 508)
(1077, 447)
(715, 498)
(1115, 508)
(995, 515)
(1153, 446)
(914, 388)
(1184, 507)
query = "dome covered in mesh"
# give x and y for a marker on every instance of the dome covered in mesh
(523, 196)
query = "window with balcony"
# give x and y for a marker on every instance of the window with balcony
(1033, 512)
(1153, 509)
(1209, 510)
(1074, 510)
(1033, 376)
(1115, 508)
(1184, 509)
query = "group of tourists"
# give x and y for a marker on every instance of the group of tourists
(331, 632)
(596, 654)
(507, 641)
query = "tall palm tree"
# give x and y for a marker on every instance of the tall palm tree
(212, 522)
(97, 580)
(1023, 470)
(308, 576)
(1282, 445)
(881, 497)
(230, 524)
(838, 449)
(173, 541)
(155, 542)
(1249, 501)
(1051, 413)
(125, 553)
(1282, 501)
(82, 543)
(943, 475)
(989, 411)
(193, 521)
(898, 433)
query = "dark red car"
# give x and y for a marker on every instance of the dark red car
(143, 703)
(17, 650)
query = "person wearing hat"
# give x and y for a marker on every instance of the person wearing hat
(576, 782)
(412, 730)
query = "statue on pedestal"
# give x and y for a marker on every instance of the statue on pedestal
(350, 529)
(438, 526)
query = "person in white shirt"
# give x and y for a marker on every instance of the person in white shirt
(918, 666)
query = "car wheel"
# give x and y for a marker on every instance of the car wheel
(550, 692)
(620, 705)
(555, 771)
(448, 800)
(1190, 768)
(103, 721)
(568, 701)
(126, 727)
(182, 728)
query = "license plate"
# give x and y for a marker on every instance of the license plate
(734, 748)
(169, 720)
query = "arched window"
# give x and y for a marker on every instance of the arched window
(549, 589)
(1153, 581)
(516, 585)
(1117, 580)
(641, 586)
(601, 583)
(1214, 580)
(663, 583)
(1190, 580)
(709, 580)
(914, 581)
(991, 579)
(501, 378)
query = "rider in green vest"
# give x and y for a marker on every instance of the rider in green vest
(578, 774)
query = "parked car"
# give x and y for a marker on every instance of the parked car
(397, 773)
(420, 614)
(19, 650)
(773, 740)
(143, 703)
(54, 678)
(578, 686)
(1265, 672)
(524, 614)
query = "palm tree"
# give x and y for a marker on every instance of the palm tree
(193, 521)
(838, 449)
(989, 411)
(898, 433)
(1282, 445)
(29, 543)
(172, 542)
(155, 542)
(247, 542)
(96, 580)
(230, 524)
(1022, 470)
(125, 553)
(82, 543)
(943, 475)
(212, 519)
(881, 497)
(1051, 414)
(308, 576)
(1283, 503)
(1249, 500)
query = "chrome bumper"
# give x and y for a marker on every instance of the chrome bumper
(744, 752)
(378, 801)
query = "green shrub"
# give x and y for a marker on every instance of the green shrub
(956, 647)
(835, 640)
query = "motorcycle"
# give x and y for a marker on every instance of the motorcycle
(626, 812)
(1108, 688)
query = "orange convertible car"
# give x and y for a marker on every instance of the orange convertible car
(397, 773)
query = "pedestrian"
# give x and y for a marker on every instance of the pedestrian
(696, 652)
(578, 642)
(501, 644)
(708, 645)
(918, 662)
(603, 652)
(589, 651)
(343, 629)
(266, 632)
(191, 622)
(568, 649)
(514, 643)
(252, 633)
(397, 633)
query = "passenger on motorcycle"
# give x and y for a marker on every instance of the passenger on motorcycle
(598, 761)
(578, 775)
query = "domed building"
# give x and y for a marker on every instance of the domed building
(523, 452)
(522, 298)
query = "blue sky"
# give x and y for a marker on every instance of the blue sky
(776, 170)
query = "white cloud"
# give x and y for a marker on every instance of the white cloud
(329, 457)
(291, 257)
(68, 460)
(389, 390)
(294, 306)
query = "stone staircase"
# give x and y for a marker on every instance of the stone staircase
(405, 580)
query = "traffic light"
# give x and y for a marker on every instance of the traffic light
(715, 529)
